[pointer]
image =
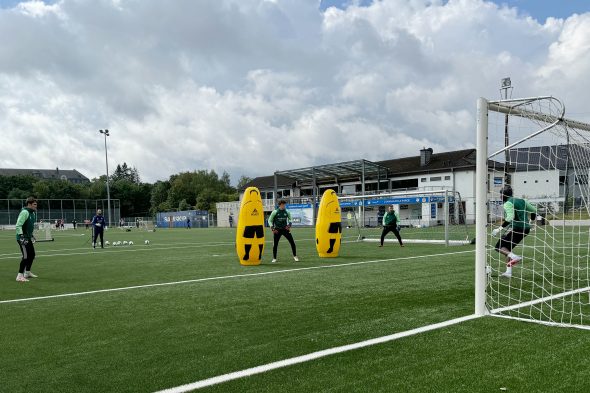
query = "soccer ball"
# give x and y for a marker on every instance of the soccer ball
(106, 243)
(124, 242)
(146, 242)
(130, 243)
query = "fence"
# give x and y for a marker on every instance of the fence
(50, 210)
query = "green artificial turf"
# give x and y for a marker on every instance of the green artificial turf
(217, 317)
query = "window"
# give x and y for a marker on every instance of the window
(436, 178)
(406, 183)
(423, 180)
(447, 177)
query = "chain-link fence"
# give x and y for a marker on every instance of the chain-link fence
(68, 210)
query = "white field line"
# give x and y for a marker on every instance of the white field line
(110, 250)
(539, 300)
(91, 251)
(546, 323)
(311, 356)
(228, 277)
(140, 247)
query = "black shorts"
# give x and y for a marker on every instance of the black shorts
(512, 238)
(253, 231)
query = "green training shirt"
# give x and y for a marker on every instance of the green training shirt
(516, 212)
(25, 223)
(390, 218)
(279, 219)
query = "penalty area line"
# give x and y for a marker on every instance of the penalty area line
(217, 278)
(312, 356)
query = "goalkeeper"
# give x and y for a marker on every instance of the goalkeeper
(25, 224)
(280, 224)
(98, 223)
(390, 224)
(516, 215)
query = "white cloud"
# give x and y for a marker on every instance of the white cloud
(254, 86)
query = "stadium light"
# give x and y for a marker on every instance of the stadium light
(106, 155)
(505, 85)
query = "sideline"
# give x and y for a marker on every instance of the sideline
(312, 356)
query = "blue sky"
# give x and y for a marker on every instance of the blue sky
(538, 9)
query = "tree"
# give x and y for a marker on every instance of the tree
(183, 205)
(23, 183)
(243, 181)
(159, 197)
(124, 172)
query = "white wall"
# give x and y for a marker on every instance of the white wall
(536, 184)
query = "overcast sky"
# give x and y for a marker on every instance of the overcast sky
(254, 86)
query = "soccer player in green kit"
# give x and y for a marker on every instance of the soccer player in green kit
(390, 223)
(280, 224)
(516, 215)
(25, 224)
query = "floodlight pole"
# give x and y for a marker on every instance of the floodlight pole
(106, 156)
(506, 85)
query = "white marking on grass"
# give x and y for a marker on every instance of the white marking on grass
(91, 251)
(539, 300)
(312, 356)
(546, 323)
(229, 277)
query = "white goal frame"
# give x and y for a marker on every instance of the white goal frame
(443, 193)
(545, 122)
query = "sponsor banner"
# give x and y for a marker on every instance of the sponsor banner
(183, 219)
(395, 201)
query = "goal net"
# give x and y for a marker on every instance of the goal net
(544, 158)
(146, 225)
(434, 216)
(43, 232)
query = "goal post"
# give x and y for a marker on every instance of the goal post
(425, 216)
(529, 145)
(44, 232)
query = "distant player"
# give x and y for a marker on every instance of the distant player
(231, 221)
(390, 224)
(516, 215)
(98, 223)
(280, 224)
(25, 224)
(188, 223)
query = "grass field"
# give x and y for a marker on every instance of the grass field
(212, 316)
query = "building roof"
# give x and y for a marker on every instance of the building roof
(351, 170)
(550, 157)
(438, 162)
(266, 182)
(46, 174)
(335, 172)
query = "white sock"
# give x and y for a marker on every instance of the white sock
(513, 256)
(509, 269)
